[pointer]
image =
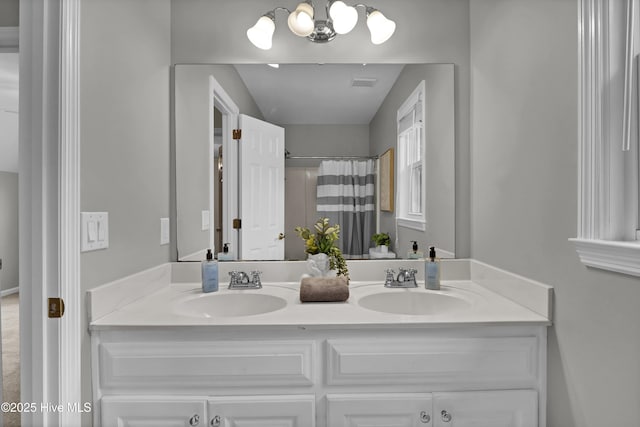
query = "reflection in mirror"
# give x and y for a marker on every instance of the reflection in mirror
(333, 115)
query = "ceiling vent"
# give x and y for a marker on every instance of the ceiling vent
(363, 82)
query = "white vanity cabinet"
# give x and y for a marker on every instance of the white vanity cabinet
(380, 410)
(165, 411)
(312, 376)
(505, 408)
(272, 411)
(179, 411)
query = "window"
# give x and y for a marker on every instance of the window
(609, 186)
(411, 161)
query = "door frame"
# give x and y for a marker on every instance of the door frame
(220, 99)
(49, 208)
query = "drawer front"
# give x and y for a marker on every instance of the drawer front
(188, 365)
(502, 362)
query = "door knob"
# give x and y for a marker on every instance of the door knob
(215, 421)
(446, 417)
(195, 420)
(281, 236)
(425, 417)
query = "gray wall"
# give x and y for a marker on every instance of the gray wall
(435, 31)
(9, 229)
(192, 145)
(124, 133)
(9, 13)
(524, 202)
(325, 140)
(440, 167)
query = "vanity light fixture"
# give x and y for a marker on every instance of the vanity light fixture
(340, 19)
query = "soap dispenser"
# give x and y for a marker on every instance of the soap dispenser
(209, 273)
(225, 255)
(414, 253)
(432, 271)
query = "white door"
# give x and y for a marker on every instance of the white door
(261, 178)
(262, 411)
(166, 411)
(380, 410)
(508, 408)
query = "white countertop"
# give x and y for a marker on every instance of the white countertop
(160, 308)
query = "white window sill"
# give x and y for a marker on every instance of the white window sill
(412, 223)
(621, 257)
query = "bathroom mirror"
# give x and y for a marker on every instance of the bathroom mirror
(328, 112)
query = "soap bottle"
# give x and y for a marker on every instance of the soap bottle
(432, 271)
(225, 255)
(209, 273)
(414, 253)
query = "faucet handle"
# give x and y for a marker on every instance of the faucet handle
(234, 277)
(255, 278)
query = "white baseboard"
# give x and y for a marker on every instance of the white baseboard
(9, 291)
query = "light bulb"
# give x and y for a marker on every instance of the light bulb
(344, 17)
(261, 34)
(301, 20)
(380, 27)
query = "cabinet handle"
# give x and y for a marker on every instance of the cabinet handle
(215, 421)
(195, 420)
(446, 417)
(424, 417)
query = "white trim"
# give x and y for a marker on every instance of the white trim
(600, 134)
(230, 111)
(70, 332)
(40, 26)
(403, 218)
(10, 291)
(411, 223)
(9, 39)
(621, 257)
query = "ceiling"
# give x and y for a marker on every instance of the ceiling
(319, 93)
(9, 112)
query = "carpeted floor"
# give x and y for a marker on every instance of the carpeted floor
(10, 357)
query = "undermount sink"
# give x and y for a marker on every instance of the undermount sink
(413, 302)
(229, 305)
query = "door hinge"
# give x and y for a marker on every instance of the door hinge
(237, 134)
(56, 308)
(237, 223)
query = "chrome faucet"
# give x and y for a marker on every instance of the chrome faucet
(241, 280)
(406, 278)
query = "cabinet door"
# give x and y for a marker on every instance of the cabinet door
(379, 410)
(262, 411)
(152, 412)
(507, 408)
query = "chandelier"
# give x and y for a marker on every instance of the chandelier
(340, 19)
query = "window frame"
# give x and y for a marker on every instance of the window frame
(404, 216)
(603, 51)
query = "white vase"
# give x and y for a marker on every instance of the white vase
(383, 249)
(318, 265)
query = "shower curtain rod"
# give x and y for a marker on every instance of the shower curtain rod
(287, 157)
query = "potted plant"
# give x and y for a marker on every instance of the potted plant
(382, 242)
(322, 242)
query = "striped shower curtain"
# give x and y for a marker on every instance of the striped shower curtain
(346, 195)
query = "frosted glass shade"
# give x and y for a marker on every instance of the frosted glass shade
(380, 27)
(261, 34)
(301, 20)
(344, 17)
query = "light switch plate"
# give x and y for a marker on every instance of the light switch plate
(95, 231)
(164, 231)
